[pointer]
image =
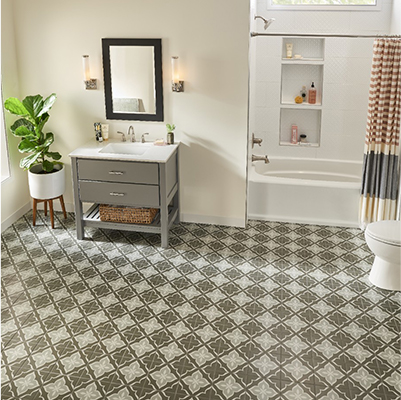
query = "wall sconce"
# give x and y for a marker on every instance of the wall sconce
(90, 84)
(176, 84)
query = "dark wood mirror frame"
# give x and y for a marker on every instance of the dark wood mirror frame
(157, 46)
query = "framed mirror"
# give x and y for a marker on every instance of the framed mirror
(133, 84)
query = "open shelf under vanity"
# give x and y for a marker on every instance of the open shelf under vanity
(92, 218)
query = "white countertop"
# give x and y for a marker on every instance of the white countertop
(159, 154)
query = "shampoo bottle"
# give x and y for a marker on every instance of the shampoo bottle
(289, 50)
(312, 94)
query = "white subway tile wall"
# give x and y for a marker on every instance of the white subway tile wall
(346, 79)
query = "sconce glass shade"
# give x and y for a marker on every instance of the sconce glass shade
(174, 70)
(90, 84)
(176, 84)
(87, 72)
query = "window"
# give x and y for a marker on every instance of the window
(330, 5)
(5, 164)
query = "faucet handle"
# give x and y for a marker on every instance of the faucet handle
(256, 140)
(123, 136)
(143, 137)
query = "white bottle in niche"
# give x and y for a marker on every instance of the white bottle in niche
(294, 134)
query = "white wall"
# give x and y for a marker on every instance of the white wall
(15, 200)
(395, 25)
(211, 115)
(346, 75)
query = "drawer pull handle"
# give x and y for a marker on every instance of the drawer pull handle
(117, 194)
(116, 173)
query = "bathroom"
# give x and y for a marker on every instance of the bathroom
(42, 47)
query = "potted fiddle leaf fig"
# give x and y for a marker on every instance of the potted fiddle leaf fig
(170, 133)
(46, 174)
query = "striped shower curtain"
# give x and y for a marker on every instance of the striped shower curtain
(380, 179)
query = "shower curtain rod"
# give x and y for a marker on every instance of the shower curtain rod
(333, 35)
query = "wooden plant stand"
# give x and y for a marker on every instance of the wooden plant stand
(50, 201)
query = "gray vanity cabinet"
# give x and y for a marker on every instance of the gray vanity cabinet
(126, 183)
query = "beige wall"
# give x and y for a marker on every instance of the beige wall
(211, 39)
(15, 199)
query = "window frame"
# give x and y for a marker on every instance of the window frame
(317, 7)
(5, 155)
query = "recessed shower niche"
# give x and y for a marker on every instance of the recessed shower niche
(302, 63)
(308, 123)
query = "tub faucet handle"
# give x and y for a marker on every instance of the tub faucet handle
(256, 140)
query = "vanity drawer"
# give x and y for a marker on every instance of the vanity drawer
(118, 171)
(124, 194)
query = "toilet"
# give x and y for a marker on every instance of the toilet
(384, 239)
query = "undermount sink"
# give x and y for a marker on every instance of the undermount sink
(136, 149)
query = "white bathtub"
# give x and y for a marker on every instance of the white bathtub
(307, 191)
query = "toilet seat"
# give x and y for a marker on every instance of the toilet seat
(388, 232)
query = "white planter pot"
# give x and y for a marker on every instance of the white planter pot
(46, 186)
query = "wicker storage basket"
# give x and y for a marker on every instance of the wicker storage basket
(127, 215)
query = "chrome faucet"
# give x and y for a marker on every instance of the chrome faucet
(143, 137)
(123, 136)
(256, 140)
(260, 158)
(131, 134)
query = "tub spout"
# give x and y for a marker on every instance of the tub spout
(260, 158)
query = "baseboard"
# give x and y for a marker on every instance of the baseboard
(192, 218)
(213, 220)
(307, 221)
(68, 206)
(16, 216)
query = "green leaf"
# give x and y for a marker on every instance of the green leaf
(47, 166)
(22, 122)
(33, 104)
(53, 155)
(43, 119)
(49, 139)
(26, 146)
(16, 107)
(28, 161)
(48, 104)
(23, 131)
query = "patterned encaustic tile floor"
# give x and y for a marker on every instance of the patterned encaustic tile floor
(275, 311)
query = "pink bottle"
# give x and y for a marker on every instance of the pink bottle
(312, 94)
(294, 134)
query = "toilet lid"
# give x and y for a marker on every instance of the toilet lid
(386, 231)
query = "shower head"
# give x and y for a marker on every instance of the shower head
(267, 22)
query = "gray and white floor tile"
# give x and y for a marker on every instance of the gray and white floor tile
(275, 311)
